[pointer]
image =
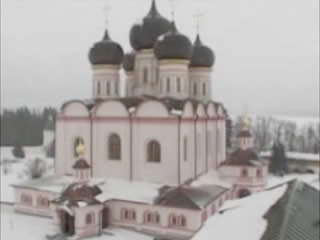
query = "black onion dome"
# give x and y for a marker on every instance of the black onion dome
(145, 34)
(173, 45)
(128, 61)
(106, 51)
(202, 55)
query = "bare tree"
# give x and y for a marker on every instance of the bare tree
(36, 168)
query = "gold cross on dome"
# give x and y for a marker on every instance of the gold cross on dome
(107, 10)
(197, 17)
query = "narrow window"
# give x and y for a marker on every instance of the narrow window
(114, 147)
(154, 151)
(259, 173)
(244, 173)
(26, 199)
(183, 221)
(178, 84)
(204, 92)
(156, 218)
(90, 218)
(172, 220)
(108, 88)
(145, 75)
(168, 84)
(98, 89)
(185, 148)
(43, 202)
(195, 89)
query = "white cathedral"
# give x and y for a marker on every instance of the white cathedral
(153, 161)
(167, 129)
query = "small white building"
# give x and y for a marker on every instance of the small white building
(243, 168)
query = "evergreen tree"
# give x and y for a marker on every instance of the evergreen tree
(18, 151)
(279, 165)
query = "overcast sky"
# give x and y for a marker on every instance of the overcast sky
(267, 51)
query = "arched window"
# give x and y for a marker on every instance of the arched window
(108, 88)
(77, 141)
(98, 88)
(114, 147)
(128, 214)
(183, 221)
(178, 84)
(173, 220)
(147, 217)
(259, 173)
(168, 84)
(90, 218)
(204, 90)
(43, 202)
(244, 172)
(154, 151)
(195, 89)
(26, 199)
(156, 218)
(145, 75)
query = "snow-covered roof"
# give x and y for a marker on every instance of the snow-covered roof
(211, 178)
(128, 190)
(111, 188)
(244, 217)
(54, 184)
(296, 156)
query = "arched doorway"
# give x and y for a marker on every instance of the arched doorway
(66, 222)
(242, 193)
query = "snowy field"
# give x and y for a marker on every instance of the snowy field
(16, 168)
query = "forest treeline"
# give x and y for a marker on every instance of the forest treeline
(24, 126)
(267, 130)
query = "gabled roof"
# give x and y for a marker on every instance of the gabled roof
(190, 197)
(295, 216)
(77, 193)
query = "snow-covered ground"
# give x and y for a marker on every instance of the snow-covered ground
(17, 226)
(16, 168)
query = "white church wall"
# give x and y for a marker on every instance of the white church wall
(187, 148)
(201, 139)
(72, 123)
(111, 118)
(152, 122)
(83, 229)
(193, 218)
(36, 206)
(212, 144)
